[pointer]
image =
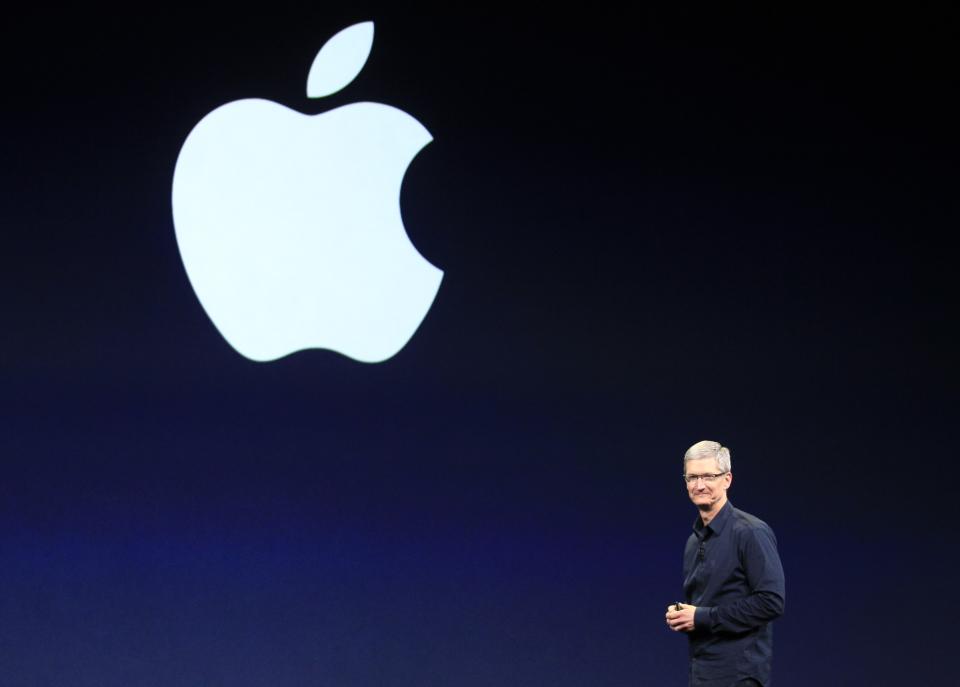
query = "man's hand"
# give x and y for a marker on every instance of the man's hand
(682, 620)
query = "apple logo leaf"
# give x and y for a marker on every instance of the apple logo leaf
(340, 60)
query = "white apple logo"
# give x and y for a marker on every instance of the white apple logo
(289, 224)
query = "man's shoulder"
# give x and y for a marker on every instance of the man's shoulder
(744, 522)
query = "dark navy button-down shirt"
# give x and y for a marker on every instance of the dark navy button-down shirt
(732, 574)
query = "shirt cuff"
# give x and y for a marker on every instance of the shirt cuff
(703, 618)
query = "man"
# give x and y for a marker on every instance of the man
(732, 580)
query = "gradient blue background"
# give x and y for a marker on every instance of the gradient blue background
(656, 227)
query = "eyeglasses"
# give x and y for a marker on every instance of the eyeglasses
(709, 478)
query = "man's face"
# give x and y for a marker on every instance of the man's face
(704, 493)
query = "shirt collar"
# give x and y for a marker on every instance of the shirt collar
(717, 524)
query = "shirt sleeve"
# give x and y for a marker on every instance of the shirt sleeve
(765, 601)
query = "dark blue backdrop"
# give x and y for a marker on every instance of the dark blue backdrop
(655, 227)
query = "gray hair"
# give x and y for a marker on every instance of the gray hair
(709, 449)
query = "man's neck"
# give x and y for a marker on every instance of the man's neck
(708, 515)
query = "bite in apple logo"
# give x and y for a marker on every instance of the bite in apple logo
(289, 224)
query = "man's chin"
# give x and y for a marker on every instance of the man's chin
(705, 506)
